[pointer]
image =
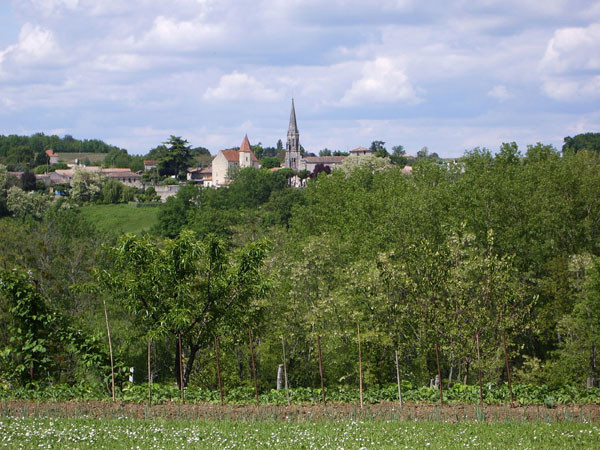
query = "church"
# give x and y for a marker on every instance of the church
(293, 158)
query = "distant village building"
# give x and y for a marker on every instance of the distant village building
(293, 158)
(125, 176)
(361, 151)
(150, 164)
(310, 162)
(292, 148)
(200, 175)
(164, 192)
(228, 161)
(52, 157)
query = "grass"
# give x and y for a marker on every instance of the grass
(121, 218)
(127, 433)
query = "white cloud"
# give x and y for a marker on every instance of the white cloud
(573, 49)
(181, 35)
(571, 64)
(500, 93)
(241, 86)
(382, 81)
(36, 45)
(572, 89)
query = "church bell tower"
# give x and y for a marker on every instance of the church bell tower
(292, 148)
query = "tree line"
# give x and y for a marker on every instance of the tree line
(451, 265)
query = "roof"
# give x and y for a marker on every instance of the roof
(206, 170)
(293, 128)
(324, 159)
(361, 150)
(150, 162)
(50, 152)
(119, 173)
(245, 145)
(233, 155)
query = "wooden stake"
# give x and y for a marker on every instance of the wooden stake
(218, 370)
(321, 370)
(479, 367)
(360, 379)
(149, 374)
(253, 365)
(512, 400)
(181, 369)
(112, 365)
(398, 379)
(437, 357)
(287, 390)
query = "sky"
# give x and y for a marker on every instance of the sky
(447, 75)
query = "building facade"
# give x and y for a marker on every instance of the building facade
(228, 161)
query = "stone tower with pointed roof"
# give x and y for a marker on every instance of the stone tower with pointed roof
(245, 153)
(292, 148)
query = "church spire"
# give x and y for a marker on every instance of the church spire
(293, 129)
(292, 149)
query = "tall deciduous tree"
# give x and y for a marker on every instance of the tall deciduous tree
(186, 287)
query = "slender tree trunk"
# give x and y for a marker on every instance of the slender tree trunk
(218, 370)
(112, 364)
(181, 385)
(253, 365)
(512, 400)
(149, 373)
(321, 369)
(437, 357)
(398, 379)
(287, 389)
(479, 367)
(360, 378)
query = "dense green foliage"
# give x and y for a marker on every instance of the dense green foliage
(29, 151)
(585, 141)
(461, 256)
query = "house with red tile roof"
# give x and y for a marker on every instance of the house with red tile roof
(52, 157)
(227, 161)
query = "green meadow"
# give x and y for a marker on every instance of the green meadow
(127, 433)
(121, 218)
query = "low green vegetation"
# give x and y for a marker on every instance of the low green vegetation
(471, 272)
(127, 433)
(120, 218)
(524, 394)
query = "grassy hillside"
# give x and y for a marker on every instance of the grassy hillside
(122, 218)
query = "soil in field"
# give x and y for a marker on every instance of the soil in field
(301, 413)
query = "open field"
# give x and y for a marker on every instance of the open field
(121, 218)
(128, 433)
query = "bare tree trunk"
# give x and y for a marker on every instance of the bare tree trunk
(219, 370)
(512, 400)
(479, 367)
(437, 357)
(398, 379)
(321, 369)
(360, 378)
(181, 385)
(287, 390)
(149, 373)
(112, 364)
(253, 365)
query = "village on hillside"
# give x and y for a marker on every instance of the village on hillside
(225, 164)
